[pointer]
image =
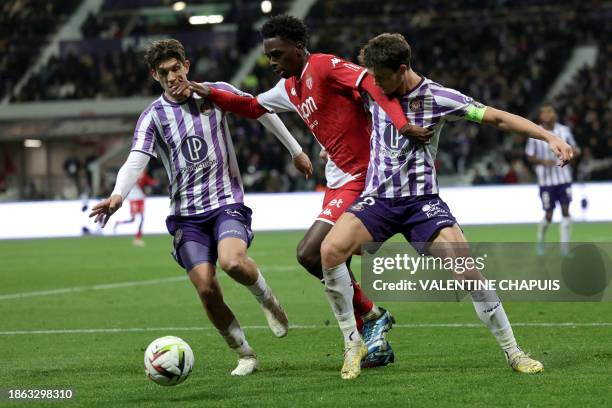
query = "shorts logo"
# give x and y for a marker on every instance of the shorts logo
(233, 213)
(434, 209)
(336, 203)
(366, 201)
(416, 105)
(178, 235)
(206, 107)
(194, 149)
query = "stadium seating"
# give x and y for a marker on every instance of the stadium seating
(501, 54)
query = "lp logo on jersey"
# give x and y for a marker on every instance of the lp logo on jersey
(393, 138)
(194, 149)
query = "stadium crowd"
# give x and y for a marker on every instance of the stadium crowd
(503, 53)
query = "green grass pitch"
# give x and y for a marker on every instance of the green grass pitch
(92, 334)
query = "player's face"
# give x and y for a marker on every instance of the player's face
(387, 79)
(286, 58)
(170, 73)
(547, 115)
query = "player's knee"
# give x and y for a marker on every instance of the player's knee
(232, 263)
(332, 253)
(209, 293)
(308, 255)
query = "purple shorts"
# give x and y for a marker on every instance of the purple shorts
(417, 218)
(196, 237)
(561, 193)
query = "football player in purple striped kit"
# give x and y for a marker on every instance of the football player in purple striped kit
(401, 193)
(208, 218)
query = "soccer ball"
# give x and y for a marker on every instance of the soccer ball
(168, 360)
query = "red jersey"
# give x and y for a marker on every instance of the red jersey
(326, 98)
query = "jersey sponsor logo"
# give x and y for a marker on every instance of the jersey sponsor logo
(293, 92)
(393, 139)
(416, 105)
(307, 108)
(335, 61)
(434, 209)
(327, 212)
(194, 149)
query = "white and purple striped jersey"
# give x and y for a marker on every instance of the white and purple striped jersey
(399, 167)
(193, 141)
(551, 175)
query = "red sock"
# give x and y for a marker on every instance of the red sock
(361, 304)
(139, 234)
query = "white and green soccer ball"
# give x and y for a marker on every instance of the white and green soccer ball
(168, 360)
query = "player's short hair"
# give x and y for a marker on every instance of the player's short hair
(386, 51)
(547, 105)
(287, 28)
(162, 50)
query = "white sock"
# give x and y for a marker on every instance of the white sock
(260, 288)
(490, 310)
(234, 337)
(339, 291)
(542, 227)
(565, 229)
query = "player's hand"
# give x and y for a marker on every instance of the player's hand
(104, 209)
(303, 164)
(180, 88)
(323, 155)
(200, 89)
(417, 134)
(563, 151)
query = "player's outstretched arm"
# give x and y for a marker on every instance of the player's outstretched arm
(393, 108)
(246, 106)
(513, 123)
(126, 178)
(275, 125)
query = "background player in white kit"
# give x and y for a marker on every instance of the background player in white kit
(208, 219)
(555, 182)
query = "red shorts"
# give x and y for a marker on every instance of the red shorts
(337, 200)
(136, 207)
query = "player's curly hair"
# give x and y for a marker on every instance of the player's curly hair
(286, 27)
(162, 50)
(386, 51)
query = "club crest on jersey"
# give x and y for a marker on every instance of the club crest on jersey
(416, 105)
(206, 107)
(194, 149)
(309, 82)
(293, 92)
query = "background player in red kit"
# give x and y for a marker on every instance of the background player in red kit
(325, 91)
(136, 198)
